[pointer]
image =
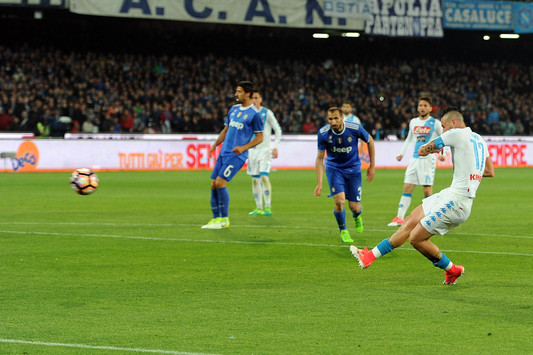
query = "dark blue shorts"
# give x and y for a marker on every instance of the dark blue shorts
(226, 167)
(341, 181)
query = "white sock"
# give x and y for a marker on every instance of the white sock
(267, 190)
(405, 202)
(257, 190)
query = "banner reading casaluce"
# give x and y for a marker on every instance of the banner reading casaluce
(478, 15)
(275, 13)
(405, 18)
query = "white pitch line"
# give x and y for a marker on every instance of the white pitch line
(113, 224)
(84, 346)
(188, 240)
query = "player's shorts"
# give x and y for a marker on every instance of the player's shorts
(421, 171)
(445, 211)
(341, 181)
(259, 161)
(226, 167)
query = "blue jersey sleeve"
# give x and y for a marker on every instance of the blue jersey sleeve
(363, 134)
(321, 142)
(257, 123)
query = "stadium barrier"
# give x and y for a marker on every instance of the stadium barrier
(115, 152)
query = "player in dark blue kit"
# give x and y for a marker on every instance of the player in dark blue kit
(343, 167)
(242, 122)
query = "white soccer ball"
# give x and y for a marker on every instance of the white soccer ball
(84, 181)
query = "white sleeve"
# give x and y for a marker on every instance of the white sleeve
(410, 139)
(275, 126)
(450, 138)
(438, 128)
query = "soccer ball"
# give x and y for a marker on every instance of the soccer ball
(84, 181)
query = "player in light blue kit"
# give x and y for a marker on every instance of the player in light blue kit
(242, 122)
(441, 212)
(343, 168)
(260, 159)
(347, 113)
(421, 169)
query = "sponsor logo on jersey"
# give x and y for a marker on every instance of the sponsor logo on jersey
(341, 150)
(475, 177)
(236, 124)
(239, 114)
(422, 130)
(350, 139)
(245, 117)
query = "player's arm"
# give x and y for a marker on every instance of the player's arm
(257, 140)
(489, 167)
(319, 166)
(219, 140)
(410, 138)
(438, 131)
(429, 148)
(277, 132)
(371, 152)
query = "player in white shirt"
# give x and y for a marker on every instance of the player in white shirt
(447, 209)
(347, 113)
(260, 159)
(421, 170)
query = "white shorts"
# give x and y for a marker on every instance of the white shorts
(444, 211)
(259, 161)
(421, 171)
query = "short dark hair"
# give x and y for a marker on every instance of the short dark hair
(247, 86)
(333, 109)
(348, 102)
(426, 98)
(256, 91)
(451, 108)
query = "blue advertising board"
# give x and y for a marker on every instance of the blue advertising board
(478, 15)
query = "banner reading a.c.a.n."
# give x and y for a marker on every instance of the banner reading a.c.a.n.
(275, 13)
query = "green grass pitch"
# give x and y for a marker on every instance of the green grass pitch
(128, 270)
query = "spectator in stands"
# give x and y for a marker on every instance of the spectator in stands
(309, 127)
(126, 121)
(402, 132)
(378, 133)
(200, 88)
(6, 120)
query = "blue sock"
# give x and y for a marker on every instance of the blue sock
(385, 247)
(341, 219)
(214, 203)
(357, 214)
(223, 201)
(444, 263)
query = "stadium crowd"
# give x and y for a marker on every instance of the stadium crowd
(52, 91)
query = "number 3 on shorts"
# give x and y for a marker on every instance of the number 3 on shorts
(227, 172)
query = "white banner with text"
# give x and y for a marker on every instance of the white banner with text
(295, 152)
(276, 13)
